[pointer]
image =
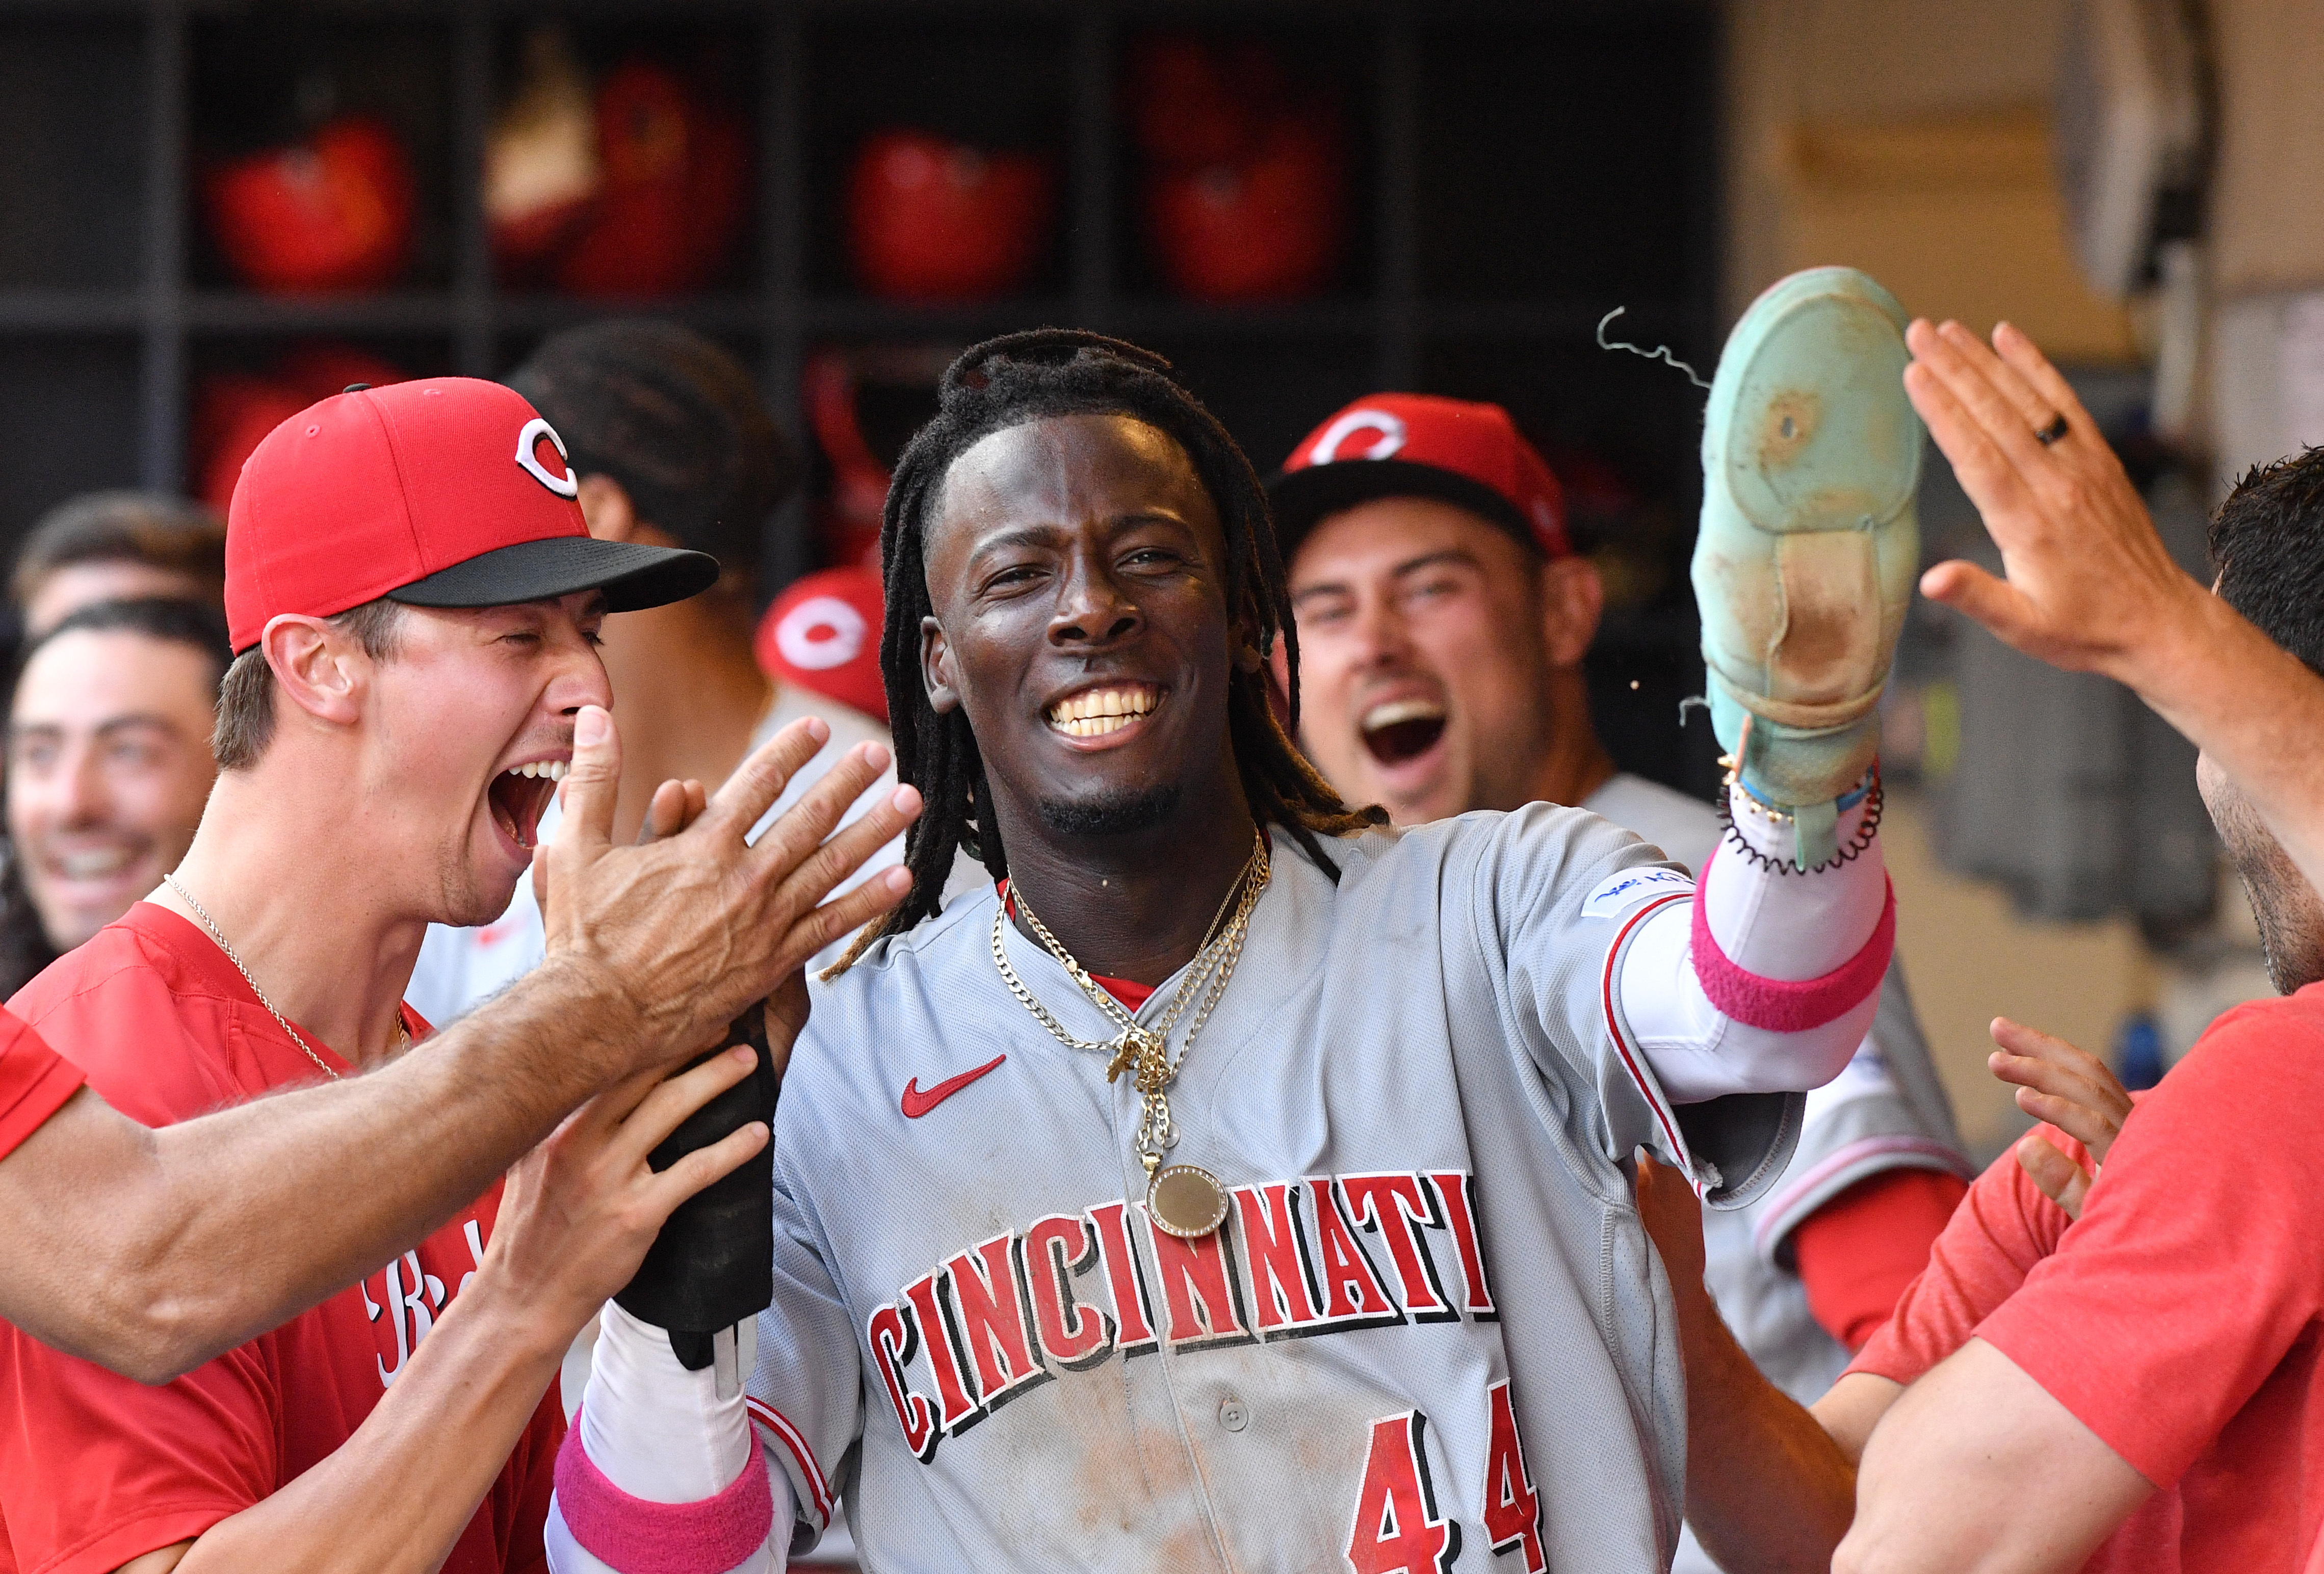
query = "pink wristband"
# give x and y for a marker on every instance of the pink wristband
(1785, 1004)
(639, 1536)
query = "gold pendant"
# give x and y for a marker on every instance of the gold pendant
(1186, 1200)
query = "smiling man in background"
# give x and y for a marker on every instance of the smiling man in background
(109, 767)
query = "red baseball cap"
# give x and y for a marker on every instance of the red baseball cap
(823, 634)
(448, 492)
(1417, 445)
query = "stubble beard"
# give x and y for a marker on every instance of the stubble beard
(2291, 946)
(1115, 812)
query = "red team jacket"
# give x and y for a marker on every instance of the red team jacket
(95, 1469)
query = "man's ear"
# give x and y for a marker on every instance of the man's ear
(606, 509)
(1248, 654)
(320, 669)
(936, 667)
(1572, 600)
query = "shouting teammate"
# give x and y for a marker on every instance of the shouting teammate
(1443, 616)
(415, 603)
(670, 446)
(1240, 1183)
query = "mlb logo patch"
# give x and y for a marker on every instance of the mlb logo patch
(1617, 894)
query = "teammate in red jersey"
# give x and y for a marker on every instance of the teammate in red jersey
(415, 603)
(2140, 1392)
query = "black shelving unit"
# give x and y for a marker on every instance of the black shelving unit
(1521, 168)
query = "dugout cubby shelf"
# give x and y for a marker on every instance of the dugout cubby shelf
(1518, 168)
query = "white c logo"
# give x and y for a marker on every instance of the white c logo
(1389, 427)
(820, 633)
(535, 430)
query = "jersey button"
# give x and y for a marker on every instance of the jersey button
(1232, 1415)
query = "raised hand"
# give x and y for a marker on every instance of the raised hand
(694, 925)
(2073, 1090)
(2090, 586)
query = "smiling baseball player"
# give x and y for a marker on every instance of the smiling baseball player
(1240, 1183)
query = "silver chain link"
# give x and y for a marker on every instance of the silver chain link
(1139, 1048)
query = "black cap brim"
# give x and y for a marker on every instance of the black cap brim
(1300, 498)
(632, 575)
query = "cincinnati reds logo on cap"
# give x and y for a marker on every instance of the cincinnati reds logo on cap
(1390, 428)
(528, 441)
(820, 633)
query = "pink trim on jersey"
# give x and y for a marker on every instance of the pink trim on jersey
(1772, 1213)
(1653, 1100)
(640, 1536)
(1786, 1005)
(791, 1437)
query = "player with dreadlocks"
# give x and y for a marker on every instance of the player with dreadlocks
(1046, 374)
(1240, 1183)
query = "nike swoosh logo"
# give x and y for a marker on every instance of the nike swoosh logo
(916, 1103)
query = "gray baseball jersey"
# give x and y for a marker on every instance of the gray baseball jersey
(1432, 1333)
(1887, 1110)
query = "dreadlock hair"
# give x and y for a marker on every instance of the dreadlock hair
(1007, 383)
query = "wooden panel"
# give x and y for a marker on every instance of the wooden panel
(1959, 216)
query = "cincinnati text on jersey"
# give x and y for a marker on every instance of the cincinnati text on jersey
(1067, 1292)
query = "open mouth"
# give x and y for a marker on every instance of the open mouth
(519, 795)
(1402, 729)
(1094, 713)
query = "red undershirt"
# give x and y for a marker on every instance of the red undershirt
(1858, 1252)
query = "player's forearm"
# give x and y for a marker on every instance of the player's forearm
(1977, 1469)
(659, 1451)
(159, 1249)
(1767, 1488)
(2249, 704)
(394, 1497)
(1768, 981)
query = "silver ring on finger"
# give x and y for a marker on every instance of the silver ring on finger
(2056, 429)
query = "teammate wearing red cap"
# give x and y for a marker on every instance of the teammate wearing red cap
(414, 602)
(822, 635)
(671, 448)
(1443, 615)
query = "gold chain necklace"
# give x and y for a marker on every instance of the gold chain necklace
(402, 1033)
(1185, 1199)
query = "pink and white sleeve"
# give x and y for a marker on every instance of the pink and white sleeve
(659, 1474)
(1768, 980)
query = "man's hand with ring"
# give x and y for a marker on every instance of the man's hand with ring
(2090, 586)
